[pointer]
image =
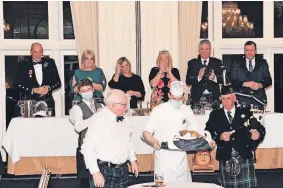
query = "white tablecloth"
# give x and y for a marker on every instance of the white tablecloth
(37, 137)
(180, 185)
(40, 137)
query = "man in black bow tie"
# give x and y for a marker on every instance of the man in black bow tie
(107, 146)
(37, 78)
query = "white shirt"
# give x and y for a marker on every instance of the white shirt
(199, 79)
(38, 73)
(165, 121)
(76, 117)
(247, 63)
(107, 140)
(233, 110)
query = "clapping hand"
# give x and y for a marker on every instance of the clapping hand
(201, 72)
(212, 75)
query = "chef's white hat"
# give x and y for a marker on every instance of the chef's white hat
(177, 88)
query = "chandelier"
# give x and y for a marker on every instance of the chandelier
(233, 23)
(204, 26)
(6, 26)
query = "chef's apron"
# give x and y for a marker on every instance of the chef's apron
(173, 165)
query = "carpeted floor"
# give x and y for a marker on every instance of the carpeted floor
(266, 179)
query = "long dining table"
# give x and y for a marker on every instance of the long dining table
(33, 143)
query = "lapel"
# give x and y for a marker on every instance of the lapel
(236, 117)
(200, 65)
(225, 117)
(243, 65)
(257, 64)
(31, 74)
(43, 75)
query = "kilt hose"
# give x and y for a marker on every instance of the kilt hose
(114, 177)
(245, 179)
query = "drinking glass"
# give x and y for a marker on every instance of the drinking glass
(49, 112)
(159, 179)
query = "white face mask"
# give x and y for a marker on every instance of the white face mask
(176, 104)
(87, 95)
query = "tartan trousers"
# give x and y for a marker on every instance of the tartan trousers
(114, 177)
(246, 178)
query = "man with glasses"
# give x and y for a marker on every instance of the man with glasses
(107, 146)
(165, 120)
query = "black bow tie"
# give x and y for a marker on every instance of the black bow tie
(119, 118)
(36, 63)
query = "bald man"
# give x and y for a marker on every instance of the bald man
(37, 78)
(107, 146)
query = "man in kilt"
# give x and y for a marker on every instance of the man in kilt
(236, 141)
(107, 146)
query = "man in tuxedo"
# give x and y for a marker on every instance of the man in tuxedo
(204, 74)
(236, 142)
(251, 76)
(37, 78)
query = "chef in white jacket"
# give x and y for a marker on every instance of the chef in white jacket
(166, 120)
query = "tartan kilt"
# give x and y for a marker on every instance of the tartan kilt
(114, 177)
(246, 178)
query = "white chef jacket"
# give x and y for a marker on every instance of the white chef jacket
(164, 122)
(107, 140)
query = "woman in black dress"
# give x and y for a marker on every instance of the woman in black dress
(125, 80)
(160, 78)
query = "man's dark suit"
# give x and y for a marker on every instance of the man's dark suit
(198, 88)
(26, 80)
(260, 74)
(241, 140)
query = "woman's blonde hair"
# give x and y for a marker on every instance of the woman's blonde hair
(85, 53)
(121, 60)
(161, 53)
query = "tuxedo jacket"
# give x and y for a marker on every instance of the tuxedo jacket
(240, 140)
(26, 80)
(198, 88)
(260, 74)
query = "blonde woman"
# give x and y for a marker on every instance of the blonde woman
(161, 76)
(88, 70)
(125, 80)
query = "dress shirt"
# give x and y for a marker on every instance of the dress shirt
(199, 79)
(76, 117)
(247, 63)
(38, 73)
(107, 140)
(233, 110)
